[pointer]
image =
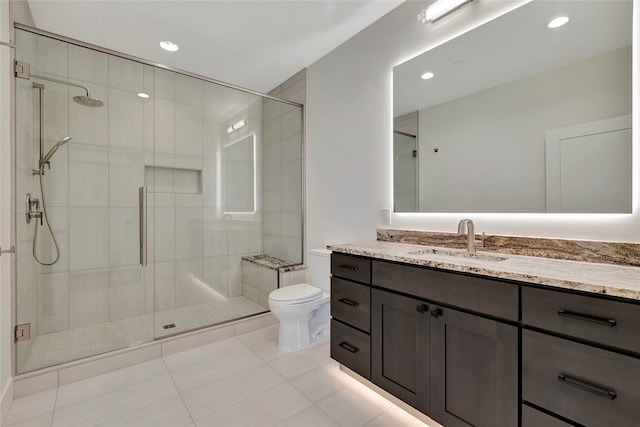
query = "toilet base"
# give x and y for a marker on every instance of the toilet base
(295, 336)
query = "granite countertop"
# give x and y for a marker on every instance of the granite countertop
(604, 279)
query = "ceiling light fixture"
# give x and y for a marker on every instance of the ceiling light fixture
(143, 95)
(428, 75)
(558, 22)
(169, 46)
(440, 9)
(237, 125)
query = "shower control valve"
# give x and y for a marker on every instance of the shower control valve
(33, 208)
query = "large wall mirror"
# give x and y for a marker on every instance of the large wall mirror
(518, 117)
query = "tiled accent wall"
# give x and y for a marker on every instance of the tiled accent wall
(282, 176)
(257, 282)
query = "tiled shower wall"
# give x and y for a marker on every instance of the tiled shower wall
(170, 142)
(282, 177)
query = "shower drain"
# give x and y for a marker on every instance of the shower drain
(169, 326)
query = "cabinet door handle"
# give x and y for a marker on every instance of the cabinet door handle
(348, 301)
(437, 312)
(353, 268)
(422, 308)
(349, 347)
(587, 386)
(587, 317)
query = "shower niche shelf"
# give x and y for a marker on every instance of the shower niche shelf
(173, 180)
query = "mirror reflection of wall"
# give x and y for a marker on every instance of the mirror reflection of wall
(483, 121)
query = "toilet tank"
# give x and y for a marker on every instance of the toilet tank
(319, 266)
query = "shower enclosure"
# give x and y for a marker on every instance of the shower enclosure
(136, 218)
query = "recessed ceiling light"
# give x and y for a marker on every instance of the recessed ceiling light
(558, 22)
(170, 46)
(143, 95)
(428, 75)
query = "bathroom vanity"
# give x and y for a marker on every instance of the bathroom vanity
(490, 340)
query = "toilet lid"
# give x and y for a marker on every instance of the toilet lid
(296, 294)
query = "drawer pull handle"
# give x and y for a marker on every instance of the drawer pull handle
(353, 268)
(587, 386)
(349, 347)
(437, 313)
(588, 317)
(348, 301)
(422, 308)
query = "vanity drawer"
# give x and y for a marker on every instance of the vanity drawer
(351, 303)
(599, 320)
(534, 418)
(481, 295)
(351, 267)
(588, 385)
(352, 348)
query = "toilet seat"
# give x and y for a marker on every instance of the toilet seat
(295, 294)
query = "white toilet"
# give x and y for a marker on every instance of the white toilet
(303, 309)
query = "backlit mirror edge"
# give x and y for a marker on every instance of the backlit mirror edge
(607, 227)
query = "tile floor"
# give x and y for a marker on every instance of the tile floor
(239, 381)
(73, 344)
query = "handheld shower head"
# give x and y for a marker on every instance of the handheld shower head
(53, 150)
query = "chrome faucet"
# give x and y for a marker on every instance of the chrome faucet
(467, 224)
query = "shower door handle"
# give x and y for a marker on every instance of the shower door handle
(142, 197)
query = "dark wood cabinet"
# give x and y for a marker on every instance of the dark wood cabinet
(473, 351)
(400, 347)
(459, 368)
(351, 312)
(474, 370)
(585, 384)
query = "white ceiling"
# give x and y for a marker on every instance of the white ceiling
(251, 44)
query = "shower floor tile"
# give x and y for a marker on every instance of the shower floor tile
(305, 388)
(73, 344)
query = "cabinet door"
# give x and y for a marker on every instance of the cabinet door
(474, 370)
(400, 347)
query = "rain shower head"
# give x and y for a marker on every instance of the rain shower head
(53, 150)
(88, 101)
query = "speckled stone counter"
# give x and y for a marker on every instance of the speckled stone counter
(274, 263)
(604, 279)
(570, 250)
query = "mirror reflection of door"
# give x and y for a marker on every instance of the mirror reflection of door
(405, 163)
(405, 154)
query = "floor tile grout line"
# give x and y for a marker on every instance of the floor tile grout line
(178, 391)
(204, 360)
(255, 394)
(284, 380)
(223, 377)
(139, 381)
(134, 411)
(55, 403)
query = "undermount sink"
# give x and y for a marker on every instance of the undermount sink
(458, 254)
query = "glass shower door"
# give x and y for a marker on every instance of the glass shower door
(202, 178)
(80, 285)
(201, 230)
